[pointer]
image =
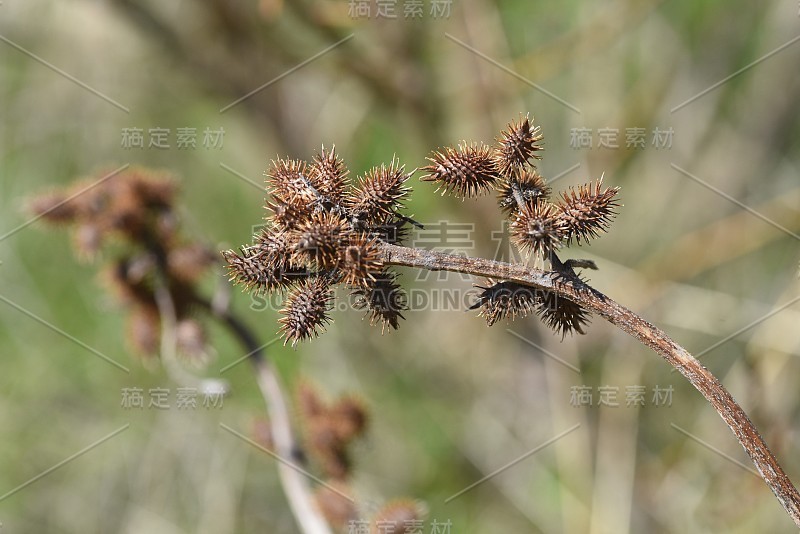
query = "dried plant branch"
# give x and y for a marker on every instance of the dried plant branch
(169, 346)
(574, 289)
(169, 338)
(322, 233)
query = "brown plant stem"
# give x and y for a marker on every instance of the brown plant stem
(294, 482)
(169, 344)
(572, 288)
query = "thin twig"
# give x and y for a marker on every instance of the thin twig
(649, 335)
(169, 339)
(169, 347)
(295, 485)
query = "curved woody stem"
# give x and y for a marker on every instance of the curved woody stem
(294, 483)
(574, 289)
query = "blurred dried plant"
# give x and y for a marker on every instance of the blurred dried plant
(132, 214)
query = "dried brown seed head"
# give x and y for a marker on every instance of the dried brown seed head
(329, 429)
(466, 171)
(321, 225)
(504, 300)
(285, 215)
(359, 260)
(318, 240)
(131, 204)
(267, 265)
(255, 271)
(538, 228)
(380, 193)
(517, 145)
(134, 208)
(329, 174)
(290, 181)
(384, 300)
(588, 211)
(305, 312)
(520, 189)
(275, 247)
(561, 314)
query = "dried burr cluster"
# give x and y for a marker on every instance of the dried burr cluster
(538, 225)
(131, 213)
(322, 231)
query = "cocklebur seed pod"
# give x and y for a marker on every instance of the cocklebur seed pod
(520, 189)
(517, 146)
(588, 210)
(380, 192)
(538, 228)
(305, 312)
(466, 171)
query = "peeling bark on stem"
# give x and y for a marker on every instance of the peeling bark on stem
(649, 335)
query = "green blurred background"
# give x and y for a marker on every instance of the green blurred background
(451, 401)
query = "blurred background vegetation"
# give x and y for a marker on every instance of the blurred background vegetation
(450, 400)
